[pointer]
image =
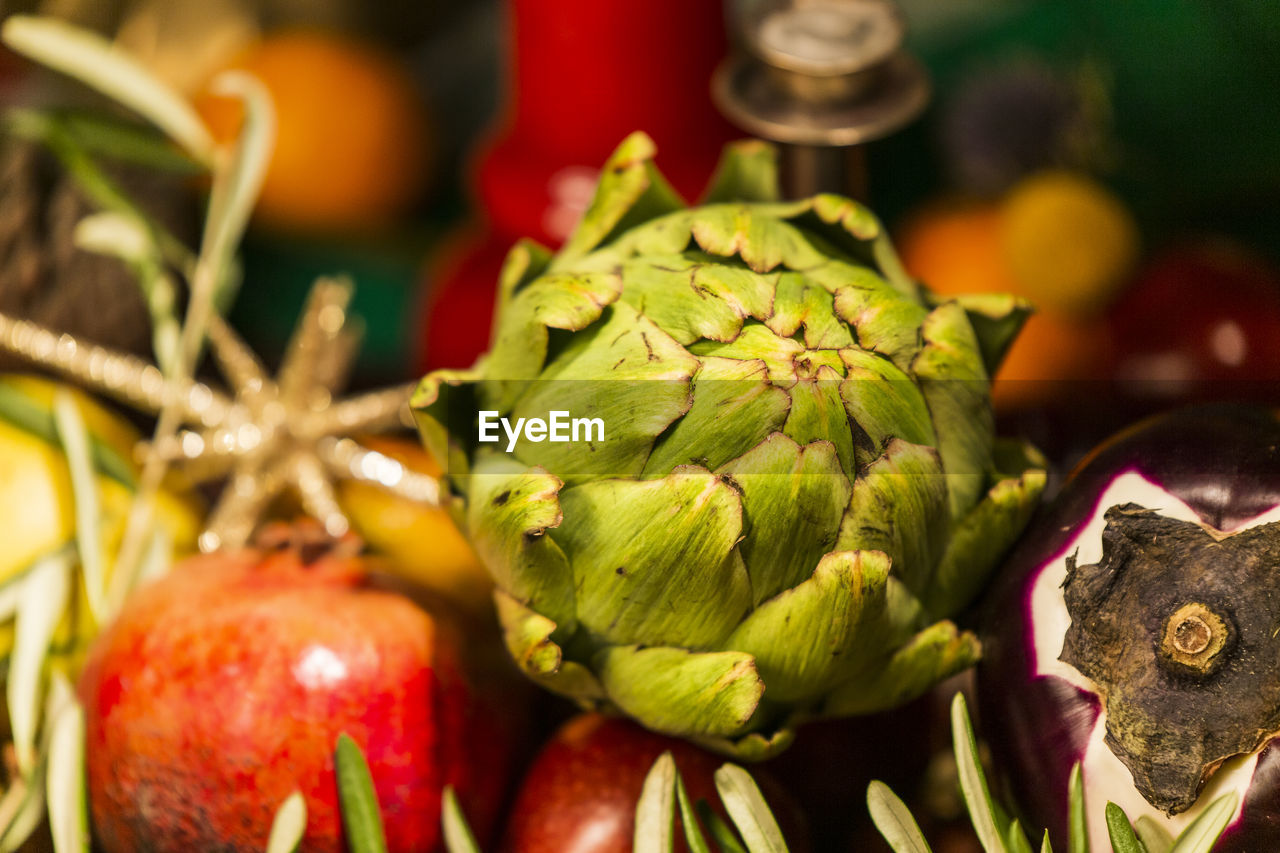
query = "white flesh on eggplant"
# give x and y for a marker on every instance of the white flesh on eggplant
(1105, 777)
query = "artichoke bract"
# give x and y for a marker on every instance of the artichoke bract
(730, 467)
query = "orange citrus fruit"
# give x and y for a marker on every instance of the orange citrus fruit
(953, 247)
(351, 131)
(1053, 358)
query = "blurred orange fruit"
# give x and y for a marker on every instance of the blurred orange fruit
(352, 137)
(1053, 358)
(958, 247)
(422, 541)
(954, 248)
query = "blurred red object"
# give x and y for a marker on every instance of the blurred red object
(584, 75)
(1201, 320)
(580, 793)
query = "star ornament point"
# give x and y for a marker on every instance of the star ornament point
(266, 434)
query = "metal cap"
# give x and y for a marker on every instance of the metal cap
(823, 72)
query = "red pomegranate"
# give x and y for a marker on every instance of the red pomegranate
(223, 687)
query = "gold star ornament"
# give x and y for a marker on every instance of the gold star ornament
(264, 435)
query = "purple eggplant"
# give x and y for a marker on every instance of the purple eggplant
(1136, 630)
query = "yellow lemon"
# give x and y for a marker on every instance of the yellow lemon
(1069, 242)
(422, 542)
(37, 510)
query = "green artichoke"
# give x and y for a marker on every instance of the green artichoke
(798, 478)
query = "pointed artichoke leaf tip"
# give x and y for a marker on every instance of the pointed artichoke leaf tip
(997, 320)
(528, 636)
(747, 172)
(526, 260)
(631, 191)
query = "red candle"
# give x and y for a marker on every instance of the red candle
(584, 74)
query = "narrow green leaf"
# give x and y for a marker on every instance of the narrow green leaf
(65, 790)
(23, 807)
(96, 62)
(721, 834)
(126, 237)
(689, 819)
(655, 810)
(235, 188)
(1203, 832)
(1003, 819)
(45, 593)
(21, 811)
(1155, 838)
(289, 825)
(457, 834)
(1017, 839)
(1123, 839)
(750, 813)
(236, 184)
(1077, 822)
(1045, 845)
(973, 783)
(892, 817)
(126, 141)
(11, 595)
(98, 188)
(158, 558)
(74, 437)
(361, 814)
(98, 135)
(30, 416)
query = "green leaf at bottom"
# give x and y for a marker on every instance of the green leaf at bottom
(1123, 839)
(289, 825)
(1203, 832)
(457, 834)
(892, 817)
(361, 815)
(745, 804)
(655, 809)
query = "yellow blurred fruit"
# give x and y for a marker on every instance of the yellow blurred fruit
(37, 509)
(422, 542)
(1068, 242)
(352, 133)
